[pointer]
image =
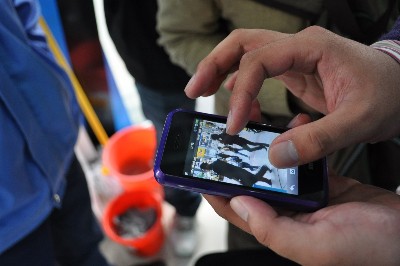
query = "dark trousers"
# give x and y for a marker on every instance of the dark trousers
(156, 106)
(69, 236)
(252, 257)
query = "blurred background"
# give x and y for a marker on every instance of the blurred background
(80, 29)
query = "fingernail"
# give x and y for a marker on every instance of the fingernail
(293, 121)
(285, 152)
(191, 81)
(229, 121)
(239, 208)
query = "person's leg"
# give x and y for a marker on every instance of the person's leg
(262, 171)
(251, 148)
(75, 230)
(255, 257)
(156, 106)
(238, 239)
(35, 249)
(248, 166)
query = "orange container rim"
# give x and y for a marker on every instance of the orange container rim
(115, 138)
(109, 214)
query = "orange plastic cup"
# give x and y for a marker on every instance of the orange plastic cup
(129, 156)
(149, 243)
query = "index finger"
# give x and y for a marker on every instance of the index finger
(295, 53)
(225, 58)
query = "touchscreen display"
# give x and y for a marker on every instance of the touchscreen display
(241, 159)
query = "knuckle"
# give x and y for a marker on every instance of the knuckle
(251, 62)
(211, 65)
(319, 140)
(317, 30)
(237, 33)
(307, 35)
(247, 58)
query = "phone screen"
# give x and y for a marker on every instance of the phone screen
(241, 159)
(196, 154)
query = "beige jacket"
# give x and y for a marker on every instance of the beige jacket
(190, 29)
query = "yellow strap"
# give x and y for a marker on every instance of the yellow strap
(83, 101)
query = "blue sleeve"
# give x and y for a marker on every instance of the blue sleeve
(39, 124)
(394, 33)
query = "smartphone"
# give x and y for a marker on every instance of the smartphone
(195, 153)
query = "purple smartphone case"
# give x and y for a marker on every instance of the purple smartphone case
(226, 190)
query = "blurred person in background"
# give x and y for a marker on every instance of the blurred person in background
(45, 209)
(160, 84)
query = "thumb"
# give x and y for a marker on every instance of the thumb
(282, 234)
(312, 141)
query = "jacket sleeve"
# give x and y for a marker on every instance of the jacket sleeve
(189, 30)
(394, 33)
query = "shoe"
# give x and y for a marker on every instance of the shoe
(183, 236)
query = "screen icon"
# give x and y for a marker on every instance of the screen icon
(292, 171)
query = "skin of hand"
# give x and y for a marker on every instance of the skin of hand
(355, 86)
(361, 226)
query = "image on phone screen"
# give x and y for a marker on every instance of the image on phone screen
(241, 159)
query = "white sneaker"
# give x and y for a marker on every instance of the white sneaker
(183, 236)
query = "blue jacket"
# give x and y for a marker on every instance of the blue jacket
(39, 120)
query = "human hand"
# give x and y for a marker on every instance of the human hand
(361, 226)
(354, 85)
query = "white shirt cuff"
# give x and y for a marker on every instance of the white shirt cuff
(390, 47)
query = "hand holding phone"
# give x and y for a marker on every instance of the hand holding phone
(195, 153)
